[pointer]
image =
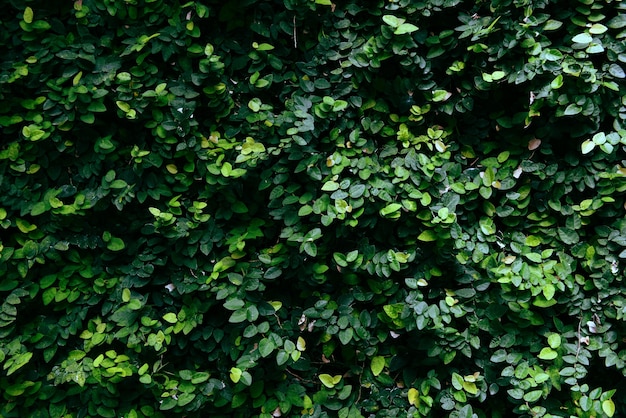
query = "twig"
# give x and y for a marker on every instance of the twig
(578, 337)
(295, 35)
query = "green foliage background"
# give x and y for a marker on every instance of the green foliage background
(302, 208)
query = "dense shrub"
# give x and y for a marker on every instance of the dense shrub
(304, 208)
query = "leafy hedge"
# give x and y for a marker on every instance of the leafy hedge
(304, 208)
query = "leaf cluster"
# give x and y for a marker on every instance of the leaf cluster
(317, 209)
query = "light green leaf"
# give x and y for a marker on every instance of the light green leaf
(470, 387)
(235, 374)
(582, 38)
(552, 25)
(115, 244)
(405, 28)
(170, 317)
(393, 21)
(413, 396)
(557, 82)
(17, 361)
(266, 346)
(329, 381)
(572, 109)
(547, 353)
(330, 186)
(487, 226)
(597, 29)
(587, 146)
(608, 407)
(377, 365)
(238, 316)
(441, 95)
(28, 15)
(533, 396)
(554, 340)
(535, 257)
(427, 236)
(548, 291)
(391, 208)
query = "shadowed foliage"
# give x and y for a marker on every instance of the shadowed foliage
(264, 208)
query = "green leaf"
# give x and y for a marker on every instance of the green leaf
(568, 236)
(377, 365)
(238, 316)
(548, 291)
(28, 15)
(167, 404)
(390, 209)
(441, 95)
(392, 21)
(534, 257)
(597, 29)
(572, 109)
(186, 398)
(470, 387)
(557, 82)
(582, 38)
(345, 335)
(552, 25)
(235, 374)
(547, 353)
(17, 361)
(533, 395)
(405, 28)
(330, 186)
(413, 396)
(608, 407)
(554, 340)
(266, 347)
(170, 317)
(457, 381)
(329, 381)
(115, 244)
(587, 146)
(428, 236)
(254, 105)
(487, 226)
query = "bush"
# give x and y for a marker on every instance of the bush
(302, 208)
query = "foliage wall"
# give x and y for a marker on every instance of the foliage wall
(302, 208)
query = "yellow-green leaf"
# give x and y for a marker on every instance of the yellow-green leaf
(377, 365)
(28, 15)
(427, 236)
(608, 406)
(170, 317)
(235, 374)
(329, 381)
